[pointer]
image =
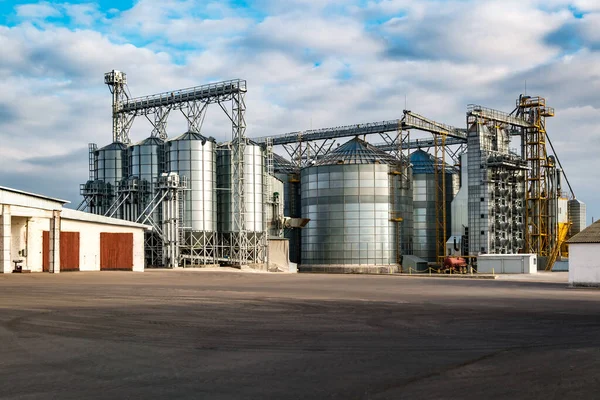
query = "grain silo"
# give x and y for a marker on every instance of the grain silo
(193, 157)
(360, 211)
(254, 201)
(110, 168)
(425, 192)
(145, 164)
(286, 172)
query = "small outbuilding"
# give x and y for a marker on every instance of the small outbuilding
(584, 257)
(37, 234)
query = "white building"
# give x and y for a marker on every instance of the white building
(40, 235)
(584, 257)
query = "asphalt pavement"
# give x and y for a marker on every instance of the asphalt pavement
(235, 335)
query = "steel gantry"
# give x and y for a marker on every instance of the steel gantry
(192, 103)
(528, 121)
(442, 133)
(305, 146)
(537, 194)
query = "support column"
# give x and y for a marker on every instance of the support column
(55, 242)
(5, 240)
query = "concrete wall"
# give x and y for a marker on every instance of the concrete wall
(507, 263)
(584, 264)
(27, 235)
(89, 243)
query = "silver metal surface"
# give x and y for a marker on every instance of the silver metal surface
(193, 156)
(577, 215)
(253, 188)
(358, 213)
(109, 165)
(424, 206)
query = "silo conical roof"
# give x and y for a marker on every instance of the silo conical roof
(424, 163)
(189, 135)
(357, 151)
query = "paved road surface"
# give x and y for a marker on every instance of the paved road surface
(223, 335)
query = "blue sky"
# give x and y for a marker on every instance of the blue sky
(308, 63)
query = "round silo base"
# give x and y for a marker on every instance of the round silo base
(350, 269)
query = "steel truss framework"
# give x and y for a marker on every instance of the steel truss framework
(538, 238)
(528, 121)
(447, 141)
(193, 247)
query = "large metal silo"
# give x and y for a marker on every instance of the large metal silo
(254, 195)
(193, 156)
(360, 209)
(286, 172)
(254, 167)
(111, 168)
(425, 190)
(146, 163)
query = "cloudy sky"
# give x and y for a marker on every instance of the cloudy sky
(308, 63)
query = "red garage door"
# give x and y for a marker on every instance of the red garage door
(116, 251)
(69, 251)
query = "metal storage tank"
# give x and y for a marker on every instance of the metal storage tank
(193, 156)
(424, 206)
(146, 163)
(360, 211)
(111, 168)
(254, 168)
(286, 172)
(577, 215)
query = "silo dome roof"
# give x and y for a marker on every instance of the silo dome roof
(281, 163)
(149, 141)
(357, 151)
(189, 135)
(114, 146)
(424, 163)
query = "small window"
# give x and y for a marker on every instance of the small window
(482, 216)
(482, 232)
(482, 199)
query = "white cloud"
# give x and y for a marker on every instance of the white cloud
(40, 10)
(438, 55)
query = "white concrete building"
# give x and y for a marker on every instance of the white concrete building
(40, 235)
(584, 257)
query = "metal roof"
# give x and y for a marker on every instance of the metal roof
(282, 164)
(356, 151)
(149, 141)
(591, 234)
(39, 196)
(114, 146)
(189, 135)
(424, 163)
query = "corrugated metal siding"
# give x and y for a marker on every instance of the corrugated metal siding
(69, 251)
(116, 251)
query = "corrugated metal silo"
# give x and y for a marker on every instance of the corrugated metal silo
(285, 171)
(254, 164)
(360, 212)
(193, 156)
(424, 206)
(146, 163)
(111, 169)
